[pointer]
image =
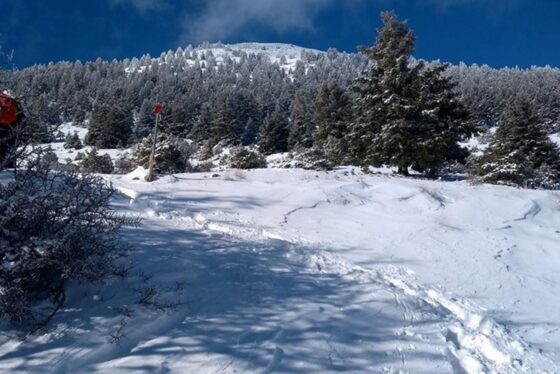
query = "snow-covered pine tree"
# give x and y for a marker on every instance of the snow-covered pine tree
(274, 133)
(216, 122)
(223, 123)
(95, 163)
(171, 156)
(442, 121)
(251, 132)
(203, 124)
(144, 120)
(408, 115)
(72, 141)
(333, 114)
(301, 121)
(521, 153)
(111, 124)
(383, 91)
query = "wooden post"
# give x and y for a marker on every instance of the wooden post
(151, 177)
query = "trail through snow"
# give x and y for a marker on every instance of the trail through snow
(295, 272)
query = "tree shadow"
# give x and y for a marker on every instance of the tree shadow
(224, 302)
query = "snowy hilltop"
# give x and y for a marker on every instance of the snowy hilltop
(286, 56)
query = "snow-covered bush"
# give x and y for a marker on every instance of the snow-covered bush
(49, 158)
(72, 141)
(172, 154)
(514, 170)
(125, 164)
(219, 148)
(307, 159)
(55, 228)
(204, 167)
(94, 163)
(312, 159)
(67, 166)
(205, 152)
(243, 158)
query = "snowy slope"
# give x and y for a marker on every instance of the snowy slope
(290, 271)
(64, 154)
(285, 55)
(275, 51)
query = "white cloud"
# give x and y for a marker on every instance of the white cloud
(223, 18)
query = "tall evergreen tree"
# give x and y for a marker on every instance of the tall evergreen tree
(301, 121)
(442, 121)
(333, 114)
(110, 126)
(203, 123)
(408, 113)
(144, 121)
(223, 122)
(274, 133)
(251, 132)
(521, 153)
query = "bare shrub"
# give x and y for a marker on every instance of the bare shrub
(56, 227)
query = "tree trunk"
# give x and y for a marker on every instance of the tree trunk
(403, 170)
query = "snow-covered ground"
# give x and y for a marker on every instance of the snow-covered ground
(289, 271)
(294, 271)
(63, 154)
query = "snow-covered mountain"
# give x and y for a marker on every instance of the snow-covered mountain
(286, 55)
(275, 51)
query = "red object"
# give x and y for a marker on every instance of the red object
(158, 109)
(8, 110)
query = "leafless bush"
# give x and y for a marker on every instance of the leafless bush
(204, 167)
(55, 227)
(151, 297)
(118, 335)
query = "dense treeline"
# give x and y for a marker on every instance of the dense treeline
(380, 107)
(486, 92)
(200, 90)
(232, 97)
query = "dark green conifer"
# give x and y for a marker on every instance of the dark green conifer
(521, 153)
(408, 114)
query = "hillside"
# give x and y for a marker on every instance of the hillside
(244, 86)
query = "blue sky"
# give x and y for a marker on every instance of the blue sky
(494, 32)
